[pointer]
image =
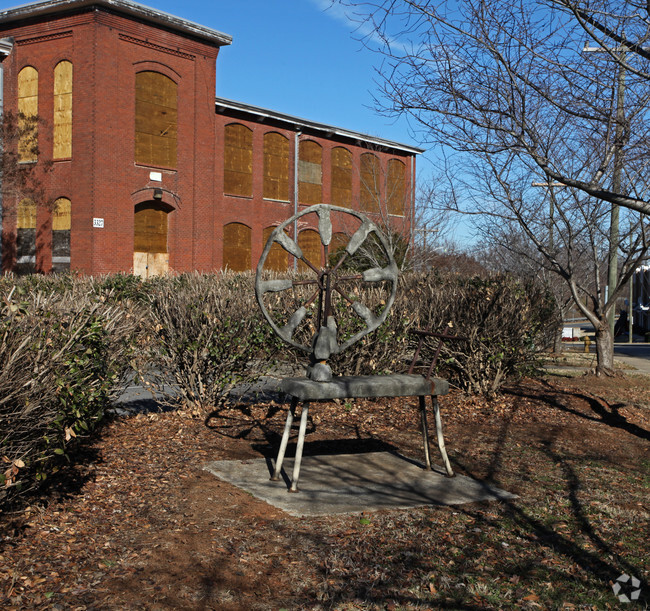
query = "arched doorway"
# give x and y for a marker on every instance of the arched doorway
(150, 254)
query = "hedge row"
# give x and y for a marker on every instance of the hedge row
(68, 343)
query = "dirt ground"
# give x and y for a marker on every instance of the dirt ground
(138, 524)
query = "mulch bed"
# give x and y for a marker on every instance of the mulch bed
(136, 523)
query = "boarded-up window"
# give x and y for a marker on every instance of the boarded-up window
(26, 237)
(28, 111)
(237, 247)
(336, 247)
(276, 167)
(238, 160)
(150, 228)
(370, 181)
(278, 258)
(311, 246)
(61, 223)
(341, 177)
(310, 172)
(62, 129)
(156, 119)
(396, 187)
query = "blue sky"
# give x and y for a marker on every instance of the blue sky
(294, 56)
(301, 58)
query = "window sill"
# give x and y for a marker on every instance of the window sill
(273, 199)
(238, 196)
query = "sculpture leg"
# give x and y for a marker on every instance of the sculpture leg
(441, 439)
(301, 442)
(285, 439)
(425, 432)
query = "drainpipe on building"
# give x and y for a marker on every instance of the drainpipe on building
(6, 46)
(295, 192)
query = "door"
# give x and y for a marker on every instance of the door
(150, 255)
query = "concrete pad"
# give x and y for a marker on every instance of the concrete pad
(352, 483)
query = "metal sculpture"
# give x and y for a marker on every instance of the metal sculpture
(317, 310)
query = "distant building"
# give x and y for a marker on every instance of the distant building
(149, 172)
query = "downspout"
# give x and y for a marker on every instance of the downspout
(6, 46)
(295, 192)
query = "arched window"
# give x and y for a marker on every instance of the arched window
(341, 177)
(278, 258)
(237, 247)
(28, 114)
(156, 119)
(310, 172)
(396, 187)
(311, 246)
(276, 167)
(337, 245)
(61, 223)
(238, 160)
(370, 181)
(62, 129)
(26, 237)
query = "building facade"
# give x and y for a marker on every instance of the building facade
(142, 169)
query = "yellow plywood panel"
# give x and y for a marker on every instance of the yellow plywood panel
(310, 173)
(63, 78)
(276, 166)
(28, 108)
(150, 229)
(28, 82)
(62, 215)
(311, 246)
(156, 119)
(140, 264)
(157, 264)
(278, 258)
(341, 177)
(396, 187)
(370, 182)
(26, 215)
(238, 160)
(237, 247)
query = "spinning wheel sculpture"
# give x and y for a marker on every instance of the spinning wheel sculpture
(321, 324)
(329, 283)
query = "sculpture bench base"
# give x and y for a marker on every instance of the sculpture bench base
(355, 387)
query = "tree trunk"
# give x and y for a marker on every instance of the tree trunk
(604, 349)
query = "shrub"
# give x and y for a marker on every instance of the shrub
(207, 335)
(61, 355)
(505, 322)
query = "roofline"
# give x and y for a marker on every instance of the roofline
(297, 122)
(48, 7)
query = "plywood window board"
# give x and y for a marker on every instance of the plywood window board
(156, 119)
(237, 247)
(238, 160)
(62, 128)
(28, 111)
(370, 181)
(396, 187)
(312, 248)
(276, 167)
(341, 177)
(278, 258)
(310, 172)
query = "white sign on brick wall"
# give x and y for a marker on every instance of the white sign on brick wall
(98, 223)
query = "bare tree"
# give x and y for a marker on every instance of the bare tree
(18, 179)
(505, 88)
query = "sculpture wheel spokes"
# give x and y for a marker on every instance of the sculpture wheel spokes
(328, 305)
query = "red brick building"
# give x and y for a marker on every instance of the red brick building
(143, 170)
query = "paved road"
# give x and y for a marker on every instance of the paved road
(635, 355)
